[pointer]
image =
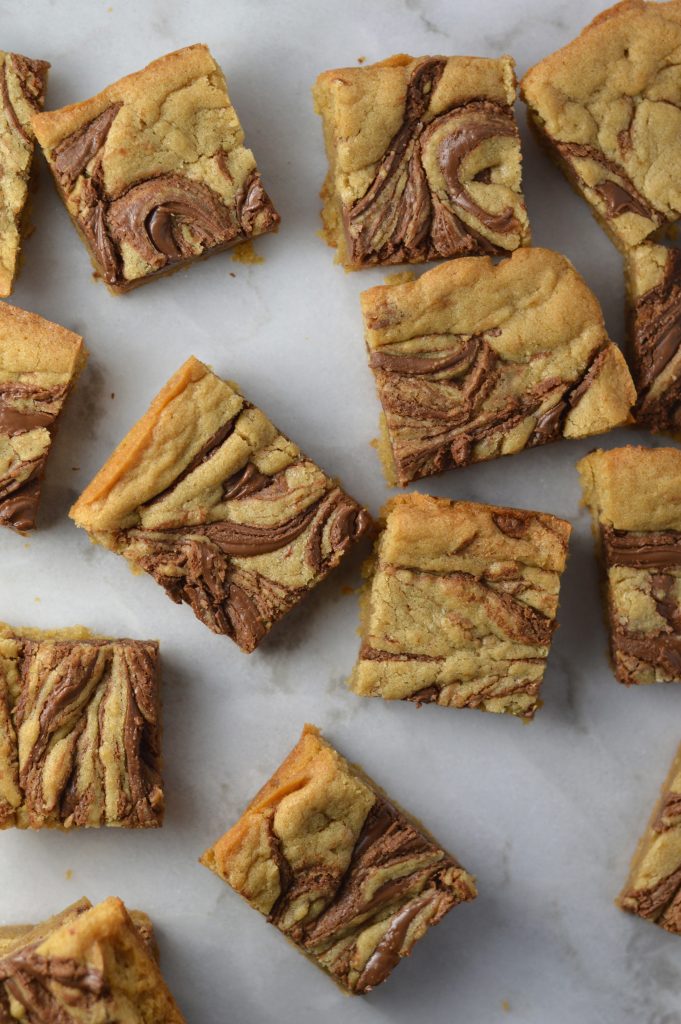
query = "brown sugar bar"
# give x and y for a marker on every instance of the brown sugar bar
(22, 93)
(654, 293)
(653, 888)
(475, 360)
(461, 604)
(79, 730)
(39, 363)
(86, 965)
(14, 936)
(348, 877)
(424, 160)
(226, 513)
(608, 108)
(154, 171)
(634, 495)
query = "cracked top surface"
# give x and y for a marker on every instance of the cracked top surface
(424, 159)
(610, 101)
(92, 964)
(22, 93)
(476, 360)
(222, 509)
(345, 874)
(154, 170)
(460, 605)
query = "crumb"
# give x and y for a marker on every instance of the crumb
(75, 469)
(232, 274)
(360, 60)
(113, 394)
(506, 1006)
(347, 590)
(245, 253)
(37, 600)
(400, 277)
(27, 544)
(68, 874)
(374, 444)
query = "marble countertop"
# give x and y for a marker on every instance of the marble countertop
(547, 816)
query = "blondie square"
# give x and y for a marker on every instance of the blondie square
(353, 881)
(88, 965)
(226, 513)
(460, 606)
(653, 888)
(424, 160)
(13, 936)
(634, 495)
(39, 363)
(654, 293)
(608, 107)
(154, 171)
(475, 360)
(22, 93)
(79, 730)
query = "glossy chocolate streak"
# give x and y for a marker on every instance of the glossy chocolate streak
(654, 550)
(619, 197)
(618, 200)
(29, 978)
(662, 650)
(19, 501)
(154, 216)
(244, 483)
(205, 452)
(454, 361)
(19, 421)
(74, 153)
(550, 424)
(387, 954)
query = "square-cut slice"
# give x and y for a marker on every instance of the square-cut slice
(79, 730)
(349, 878)
(87, 965)
(634, 495)
(226, 513)
(460, 606)
(22, 93)
(654, 292)
(475, 360)
(608, 107)
(653, 888)
(424, 160)
(39, 363)
(154, 171)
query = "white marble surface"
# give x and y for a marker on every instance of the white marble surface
(547, 816)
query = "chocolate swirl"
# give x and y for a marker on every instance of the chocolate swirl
(74, 153)
(655, 330)
(401, 217)
(169, 218)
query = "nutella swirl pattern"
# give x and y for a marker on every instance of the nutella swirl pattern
(403, 215)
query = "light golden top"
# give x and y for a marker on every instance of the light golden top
(437, 535)
(176, 112)
(535, 296)
(634, 488)
(34, 350)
